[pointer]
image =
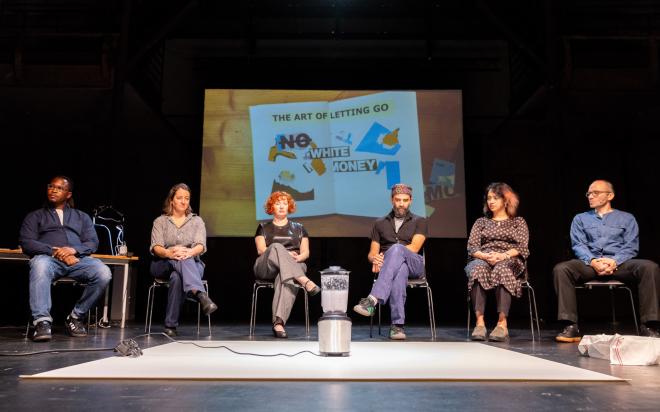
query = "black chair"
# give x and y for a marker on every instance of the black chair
(157, 283)
(533, 311)
(421, 282)
(612, 285)
(259, 284)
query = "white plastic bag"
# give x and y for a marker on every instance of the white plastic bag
(634, 350)
(621, 350)
(596, 346)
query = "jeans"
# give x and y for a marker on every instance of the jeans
(45, 269)
(399, 264)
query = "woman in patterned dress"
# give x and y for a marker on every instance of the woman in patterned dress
(497, 250)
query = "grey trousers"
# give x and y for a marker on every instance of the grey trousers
(278, 265)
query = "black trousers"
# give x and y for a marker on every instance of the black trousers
(641, 272)
(478, 298)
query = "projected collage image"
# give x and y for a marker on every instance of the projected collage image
(337, 153)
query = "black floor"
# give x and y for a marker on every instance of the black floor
(642, 392)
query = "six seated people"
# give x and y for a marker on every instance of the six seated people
(59, 240)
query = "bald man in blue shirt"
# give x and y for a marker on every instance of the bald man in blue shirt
(605, 242)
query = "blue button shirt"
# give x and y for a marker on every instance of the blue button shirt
(614, 235)
(42, 230)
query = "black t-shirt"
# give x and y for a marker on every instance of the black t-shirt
(383, 230)
(289, 235)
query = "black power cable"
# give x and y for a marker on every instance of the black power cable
(128, 347)
(54, 351)
(269, 355)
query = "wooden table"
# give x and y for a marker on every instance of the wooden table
(110, 260)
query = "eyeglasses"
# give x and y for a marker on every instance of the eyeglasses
(56, 188)
(595, 193)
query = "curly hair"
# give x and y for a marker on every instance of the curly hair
(269, 206)
(504, 191)
(167, 204)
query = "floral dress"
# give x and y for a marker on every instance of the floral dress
(489, 235)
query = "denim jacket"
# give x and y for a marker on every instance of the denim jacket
(41, 231)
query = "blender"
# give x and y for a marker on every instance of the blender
(334, 326)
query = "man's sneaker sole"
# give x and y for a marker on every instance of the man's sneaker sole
(568, 340)
(69, 330)
(41, 338)
(398, 337)
(362, 311)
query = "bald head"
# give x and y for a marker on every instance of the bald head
(600, 195)
(604, 185)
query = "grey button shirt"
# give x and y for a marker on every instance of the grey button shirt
(165, 233)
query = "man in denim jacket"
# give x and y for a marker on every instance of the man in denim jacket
(605, 242)
(59, 240)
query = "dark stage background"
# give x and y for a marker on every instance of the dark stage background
(111, 94)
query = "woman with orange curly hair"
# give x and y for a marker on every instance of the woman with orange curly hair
(497, 249)
(283, 247)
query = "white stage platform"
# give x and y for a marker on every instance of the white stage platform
(369, 361)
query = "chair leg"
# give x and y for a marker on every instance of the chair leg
(379, 318)
(467, 329)
(199, 311)
(253, 311)
(613, 309)
(96, 320)
(531, 316)
(146, 315)
(199, 316)
(536, 311)
(150, 306)
(429, 297)
(306, 312)
(104, 322)
(208, 317)
(632, 305)
(371, 326)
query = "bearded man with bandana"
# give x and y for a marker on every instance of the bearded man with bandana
(396, 241)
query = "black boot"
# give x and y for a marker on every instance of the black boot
(208, 306)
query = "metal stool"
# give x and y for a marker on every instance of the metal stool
(150, 304)
(612, 285)
(533, 311)
(412, 284)
(70, 281)
(258, 284)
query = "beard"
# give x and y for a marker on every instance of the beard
(400, 211)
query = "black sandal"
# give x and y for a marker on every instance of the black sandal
(281, 334)
(315, 291)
